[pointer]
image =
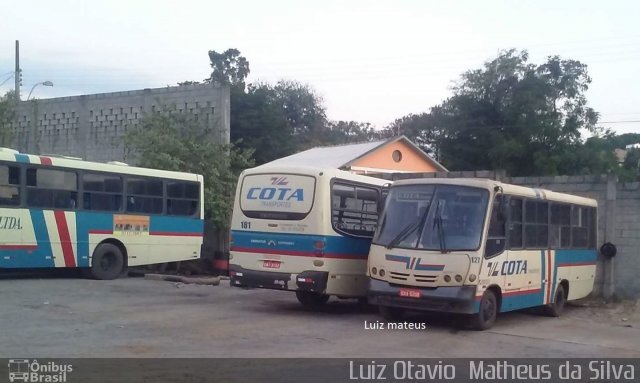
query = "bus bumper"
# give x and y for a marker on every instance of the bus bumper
(315, 281)
(454, 299)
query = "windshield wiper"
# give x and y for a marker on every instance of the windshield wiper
(404, 233)
(437, 221)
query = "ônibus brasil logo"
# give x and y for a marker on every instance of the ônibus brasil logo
(277, 193)
(25, 370)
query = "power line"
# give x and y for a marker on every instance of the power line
(620, 122)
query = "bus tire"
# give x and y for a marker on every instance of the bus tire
(391, 314)
(555, 308)
(487, 313)
(311, 299)
(107, 262)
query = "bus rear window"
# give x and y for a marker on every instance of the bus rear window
(277, 196)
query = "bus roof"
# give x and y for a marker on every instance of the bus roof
(72, 163)
(312, 170)
(517, 190)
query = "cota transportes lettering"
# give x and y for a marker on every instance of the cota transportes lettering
(278, 194)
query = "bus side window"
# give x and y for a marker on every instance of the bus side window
(559, 228)
(496, 240)
(536, 224)
(9, 185)
(579, 227)
(593, 227)
(515, 223)
(52, 188)
(354, 209)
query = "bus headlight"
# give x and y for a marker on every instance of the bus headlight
(374, 271)
(447, 278)
(472, 277)
(382, 272)
(458, 278)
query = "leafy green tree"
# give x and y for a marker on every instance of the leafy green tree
(174, 141)
(344, 132)
(229, 68)
(7, 115)
(277, 120)
(304, 112)
(621, 141)
(423, 129)
(518, 116)
(631, 165)
(258, 123)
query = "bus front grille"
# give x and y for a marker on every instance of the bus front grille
(400, 276)
(425, 278)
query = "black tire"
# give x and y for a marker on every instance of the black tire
(107, 262)
(391, 314)
(555, 308)
(311, 299)
(487, 313)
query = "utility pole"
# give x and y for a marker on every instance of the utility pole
(17, 74)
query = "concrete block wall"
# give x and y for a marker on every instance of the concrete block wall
(618, 220)
(92, 126)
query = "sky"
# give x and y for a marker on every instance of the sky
(370, 61)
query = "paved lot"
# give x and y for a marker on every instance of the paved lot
(132, 317)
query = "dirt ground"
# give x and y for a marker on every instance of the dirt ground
(60, 317)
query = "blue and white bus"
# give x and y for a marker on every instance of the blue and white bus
(68, 213)
(304, 229)
(481, 247)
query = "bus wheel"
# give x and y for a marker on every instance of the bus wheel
(107, 262)
(555, 308)
(391, 313)
(309, 298)
(487, 312)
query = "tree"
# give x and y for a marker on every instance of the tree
(230, 68)
(277, 120)
(631, 165)
(7, 115)
(174, 141)
(258, 123)
(344, 132)
(303, 110)
(517, 116)
(423, 129)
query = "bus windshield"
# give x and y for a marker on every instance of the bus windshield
(433, 217)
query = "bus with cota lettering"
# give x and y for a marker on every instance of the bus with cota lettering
(304, 229)
(480, 247)
(62, 212)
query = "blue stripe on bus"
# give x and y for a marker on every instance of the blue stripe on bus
(173, 224)
(22, 158)
(301, 244)
(42, 239)
(85, 223)
(35, 257)
(567, 257)
(522, 300)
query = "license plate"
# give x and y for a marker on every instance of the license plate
(271, 264)
(410, 293)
